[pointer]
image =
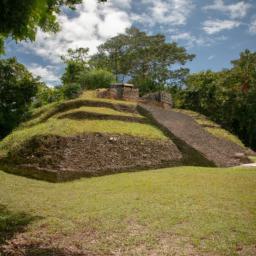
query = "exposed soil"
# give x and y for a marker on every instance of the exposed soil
(181, 127)
(91, 155)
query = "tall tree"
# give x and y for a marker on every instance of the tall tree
(76, 61)
(143, 58)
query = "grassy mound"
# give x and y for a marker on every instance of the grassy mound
(86, 137)
(110, 116)
(177, 211)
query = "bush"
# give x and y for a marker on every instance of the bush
(71, 91)
(17, 89)
(46, 95)
(97, 78)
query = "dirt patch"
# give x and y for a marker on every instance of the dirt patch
(22, 245)
(65, 158)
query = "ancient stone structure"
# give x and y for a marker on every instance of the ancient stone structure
(120, 91)
(160, 98)
(124, 91)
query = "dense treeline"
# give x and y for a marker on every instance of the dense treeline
(227, 97)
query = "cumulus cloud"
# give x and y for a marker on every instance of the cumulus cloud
(236, 10)
(46, 73)
(92, 25)
(216, 26)
(162, 12)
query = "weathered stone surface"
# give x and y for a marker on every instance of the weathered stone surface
(160, 98)
(221, 152)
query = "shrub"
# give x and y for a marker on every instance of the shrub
(71, 91)
(17, 89)
(97, 78)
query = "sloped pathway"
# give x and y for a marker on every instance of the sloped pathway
(220, 152)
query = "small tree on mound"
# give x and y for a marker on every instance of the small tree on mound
(71, 91)
(96, 78)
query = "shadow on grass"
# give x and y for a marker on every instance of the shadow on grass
(12, 224)
(35, 250)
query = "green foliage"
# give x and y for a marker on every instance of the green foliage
(96, 78)
(227, 97)
(17, 89)
(21, 20)
(46, 95)
(143, 58)
(71, 91)
(76, 63)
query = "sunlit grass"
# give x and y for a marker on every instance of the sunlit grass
(253, 158)
(102, 110)
(213, 209)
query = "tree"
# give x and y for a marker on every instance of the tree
(46, 95)
(96, 78)
(20, 20)
(17, 89)
(71, 90)
(76, 61)
(227, 97)
(142, 58)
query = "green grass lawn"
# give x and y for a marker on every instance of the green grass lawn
(175, 211)
(253, 158)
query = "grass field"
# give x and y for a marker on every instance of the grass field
(175, 211)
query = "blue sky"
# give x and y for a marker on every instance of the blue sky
(215, 30)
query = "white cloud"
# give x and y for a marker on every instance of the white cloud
(236, 10)
(215, 26)
(92, 25)
(47, 73)
(252, 26)
(163, 12)
(211, 57)
(190, 40)
(121, 3)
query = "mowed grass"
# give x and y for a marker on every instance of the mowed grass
(211, 126)
(45, 123)
(103, 110)
(175, 211)
(253, 158)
